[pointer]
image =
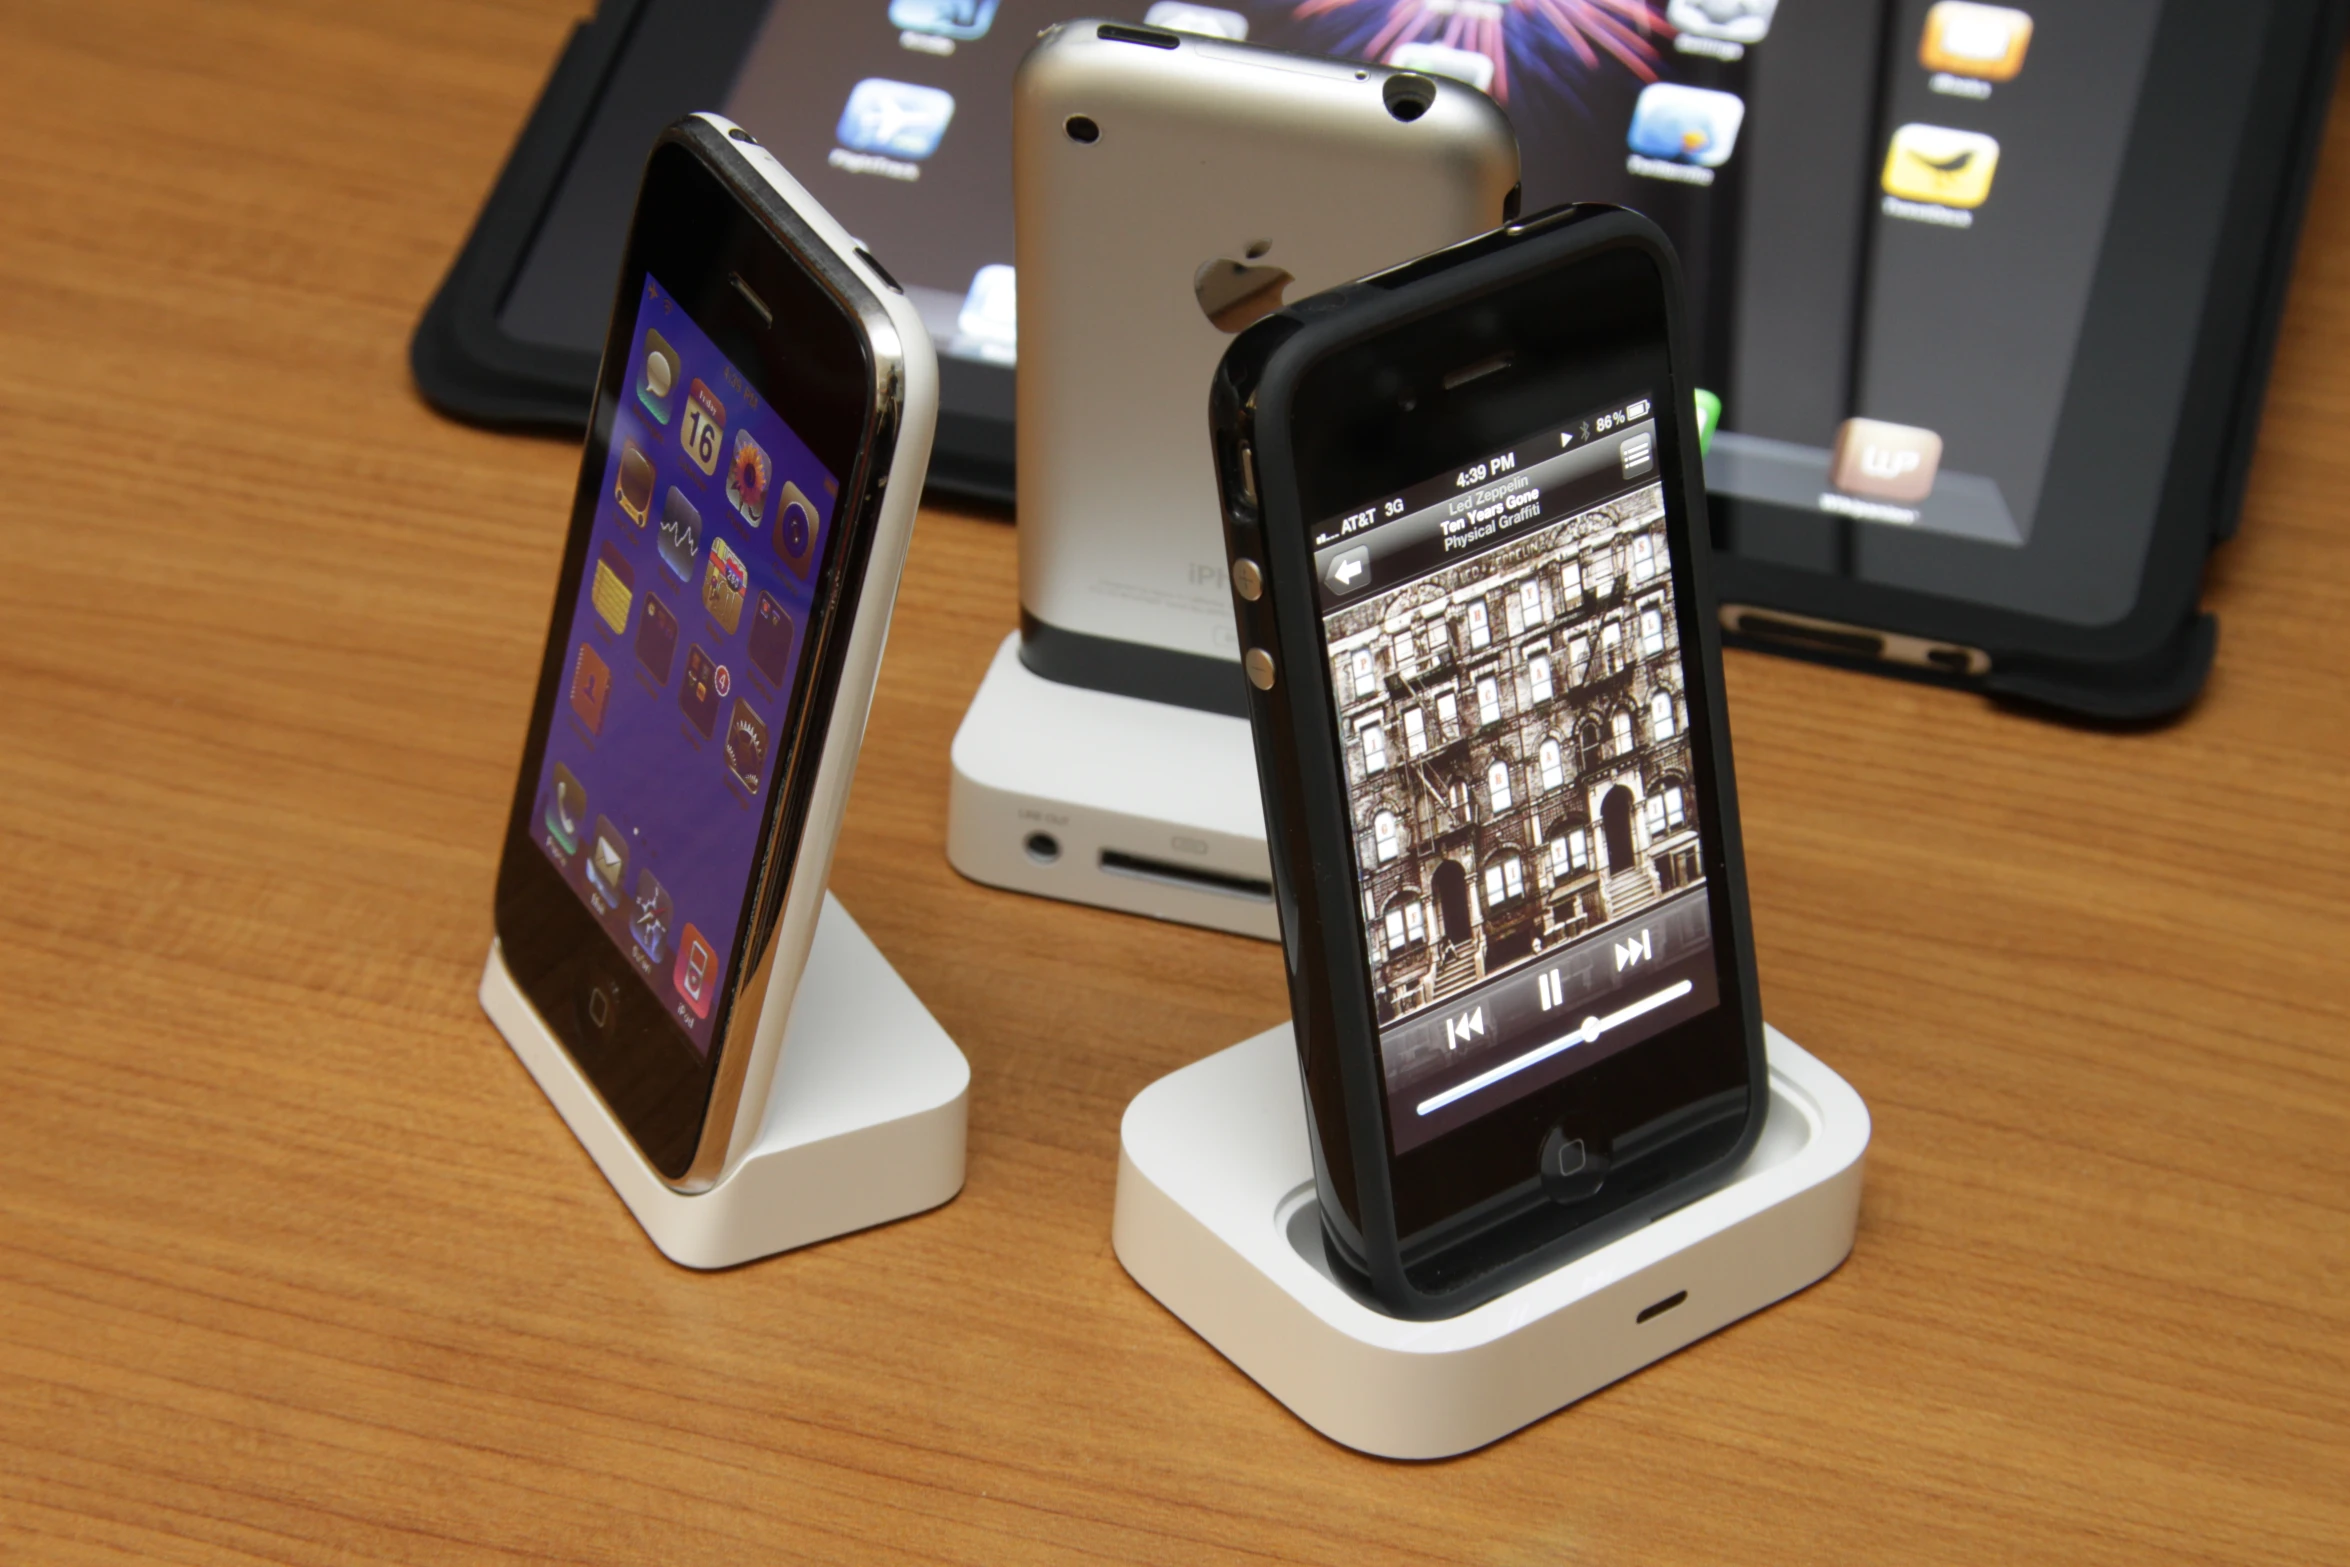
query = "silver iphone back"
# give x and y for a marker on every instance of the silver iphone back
(1155, 187)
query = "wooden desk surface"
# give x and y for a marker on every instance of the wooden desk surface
(295, 1265)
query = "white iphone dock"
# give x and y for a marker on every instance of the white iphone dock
(1110, 800)
(864, 1122)
(1217, 1218)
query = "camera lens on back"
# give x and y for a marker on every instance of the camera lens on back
(1408, 96)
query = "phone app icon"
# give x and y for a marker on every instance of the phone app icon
(681, 534)
(704, 431)
(607, 861)
(895, 119)
(656, 639)
(1936, 163)
(633, 487)
(591, 688)
(1201, 21)
(698, 693)
(746, 746)
(697, 970)
(656, 382)
(1986, 42)
(613, 588)
(748, 473)
(771, 640)
(650, 915)
(961, 20)
(723, 585)
(566, 809)
(1884, 461)
(795, 530)
(1686, 124)
(1732, 21)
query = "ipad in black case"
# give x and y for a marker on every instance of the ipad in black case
(1983, 295)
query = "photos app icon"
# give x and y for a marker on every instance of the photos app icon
(749, 471)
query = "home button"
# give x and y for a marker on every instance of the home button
(599, 1005)
(1571, 1172)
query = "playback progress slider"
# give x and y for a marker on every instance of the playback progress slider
(1591, 1029)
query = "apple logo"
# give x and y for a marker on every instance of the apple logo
(1233, 294)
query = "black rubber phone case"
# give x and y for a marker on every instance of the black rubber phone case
(1302, 774)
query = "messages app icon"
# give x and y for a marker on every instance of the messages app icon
(656, 384)
(896, 119)
(1935, 163)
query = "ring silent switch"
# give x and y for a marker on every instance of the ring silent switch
(1259, 665)
(1248, 580)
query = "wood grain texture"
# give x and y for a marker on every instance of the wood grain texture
(296, 1266)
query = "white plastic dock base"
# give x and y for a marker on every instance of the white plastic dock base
(1109, 800)
(864, 1123)
(1217, 1218)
